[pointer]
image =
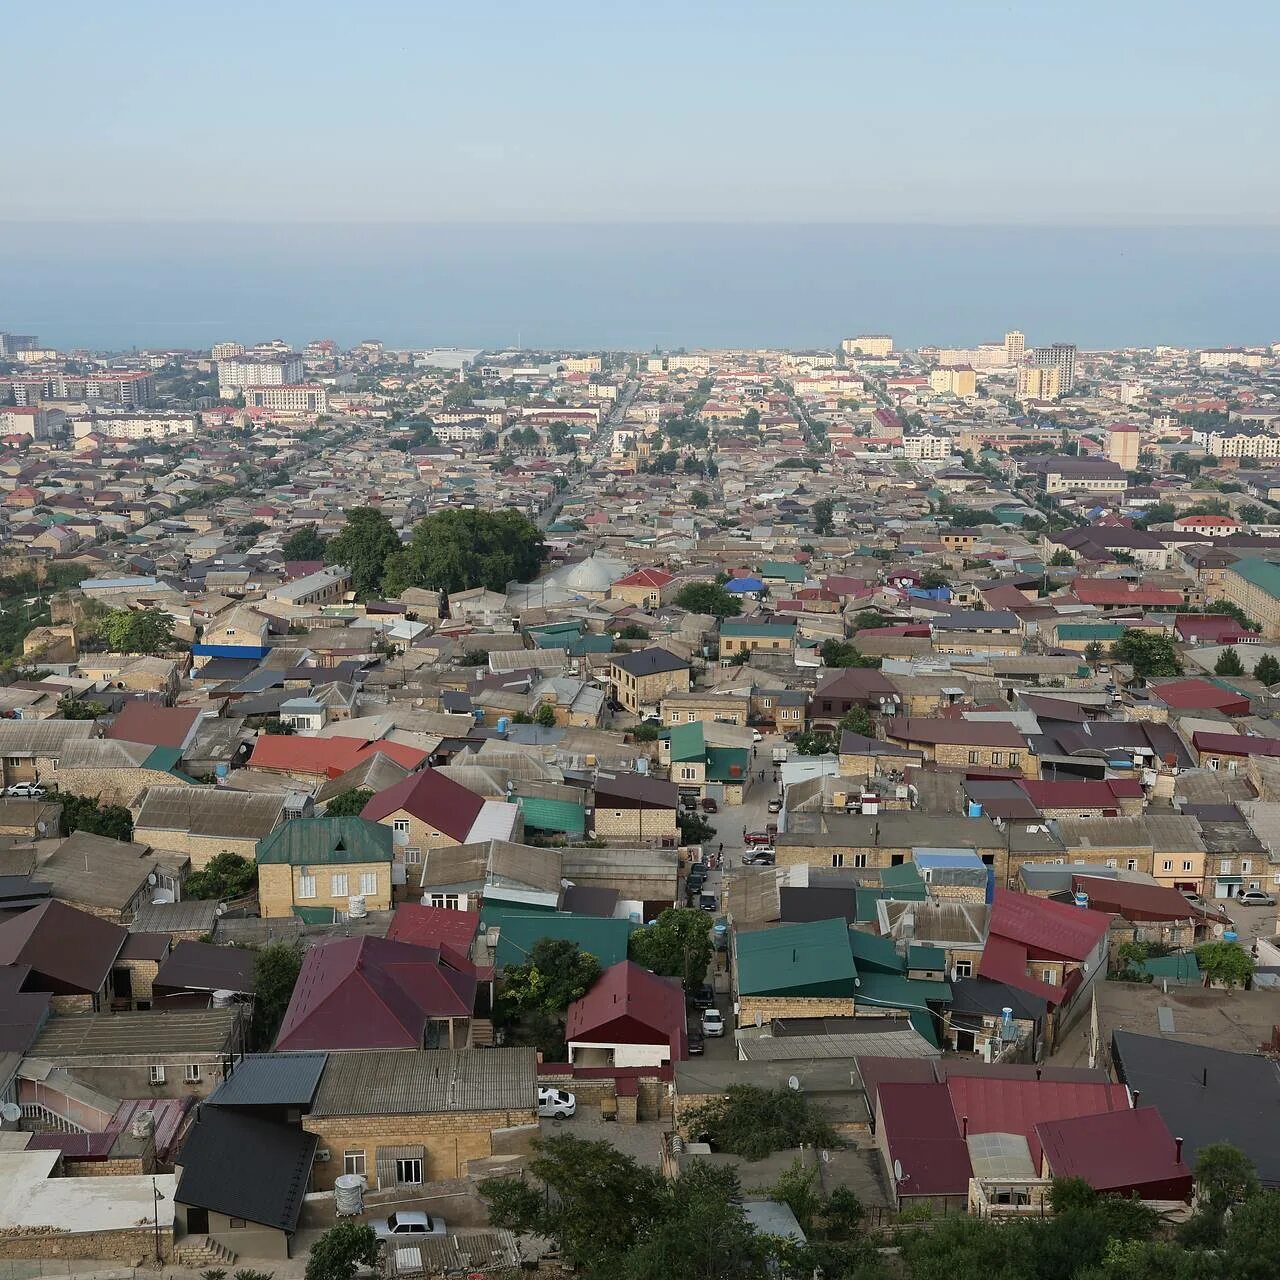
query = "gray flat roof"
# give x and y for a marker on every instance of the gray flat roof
(109, 1035)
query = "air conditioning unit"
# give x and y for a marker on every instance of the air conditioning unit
(322, 1155)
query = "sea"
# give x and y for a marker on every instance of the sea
(119, 286)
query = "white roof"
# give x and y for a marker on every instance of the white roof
(31, 1197)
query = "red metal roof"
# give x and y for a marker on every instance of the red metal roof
(921, 1134)
(1200, 695)
(1136, 901)
(646, 578)
(1004, 960)
(446, 805)
(327, 757)
(1123, 1151)
(1234, 744)
(371, 993)
(145, 722)
(1047, 928)
(1084, 794)
(630, 1005)
(434, 927)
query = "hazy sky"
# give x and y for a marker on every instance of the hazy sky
(1124, 112)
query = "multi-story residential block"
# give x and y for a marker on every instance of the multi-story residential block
(134, 426)
(1060, 356)
(1015, 346)
(241, 371)
(1038, 384)
(307, 397)
(954, 380)
(1123, 442)
(1225, 357)
(226, 351)
(875, 345)
(927, 445)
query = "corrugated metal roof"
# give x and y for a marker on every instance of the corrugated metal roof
(98, 1035)
(210, 811)
(271, 1079)
(521, 931)
(805, 959)
(390, 1082)
(326, 842)
(553, 815)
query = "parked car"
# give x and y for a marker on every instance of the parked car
(696, 1041)
(707, 900)
(1256, 898)
(710, 806)
(697, 876)
(27, 790)
(756, 735)
(775, 806)
(757, 837)
(758, 858)
(556, 1102)
(704, 997)
(408, 1222)
(712, 1022)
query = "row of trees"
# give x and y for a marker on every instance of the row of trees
(448, 551)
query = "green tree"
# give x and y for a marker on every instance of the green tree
(1228, 663)
(1253, 1239)
(798, 1189)
(342, 1251)
(1061, 558)
(1229, 609)
(694, 828)
(858, 720)
(365, 545)
(1251, 513)
(840, 653)
(1149, 655)
(137, 631)
(932, 580)
(633, 631)
(304, 544)
(72, 708)
(810, 743)
(86, 813)
(677, 945)
(823, 510)
(457, 550)
(708, 597)
(751, 419)
(348, 804)
(1225, 962)
(1224, 1176)
(751, 1122)
(275, 974)
(699, 500)
(1267, 670)
(226, 875)
(1093, 652)
(252, 528)
(556, 974)
(546, 716)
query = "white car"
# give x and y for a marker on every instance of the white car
(756, 735)
(712, 1022)
(408, 1224)
(29, 790)
(556, 1103)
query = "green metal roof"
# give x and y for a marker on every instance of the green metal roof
(797, 959)
(326, 842)
(787, 570)
(764, 630)
(866, 900)
(687, 742)
(556, 628)
(728, 764)
(165, 760)
(603, 938)
(927, 1025)
(1183, 969)
(1263, 574)
(920, 956)
(590, 643)
(545, 814)
(896, 991)
(1084, 631)
(906, 875)
(874, 953)
(316, 915)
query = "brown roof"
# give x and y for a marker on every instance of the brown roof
(140, 721)
(963, 733)
(70, 952)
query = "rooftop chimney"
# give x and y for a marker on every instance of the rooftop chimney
(1177, 1150)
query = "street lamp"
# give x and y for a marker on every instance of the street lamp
(157, 1195)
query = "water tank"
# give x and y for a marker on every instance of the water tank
(504, 723)
(144, 1124)
(220, 774)
(1081, 898)
(642, 765)
(348, 1194)
(356, 910)
(223, 999)
(1230, 936)
(975, 809)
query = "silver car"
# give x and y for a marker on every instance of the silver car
(408, 1224)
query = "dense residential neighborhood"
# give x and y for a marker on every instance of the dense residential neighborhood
(843, 782)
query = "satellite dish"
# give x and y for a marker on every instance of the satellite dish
(10, 1113)
(826, 1157)
(897, 1171)
(793, 1083)
(42, 827)
(153, 879)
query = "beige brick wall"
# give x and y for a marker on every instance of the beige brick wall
(770, 1007)
(450, 1139)
(954, 756)
(634, 824)
(200, 849)
(135, 1247)
(279, 887)
(422, 836)
(110, 786)
(142, 974)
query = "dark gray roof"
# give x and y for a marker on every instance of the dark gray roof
(812, 903)
(1207, 1095)
(649, 662)
(94, 1036)
(244, 1167)
(978, 995)
(191, 915)
(200, 966)
(271, 1080)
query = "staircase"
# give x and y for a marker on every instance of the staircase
(203, 1253)
(481, 1033)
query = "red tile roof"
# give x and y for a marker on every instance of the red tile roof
(1119, 1151)
(440, 801)
(145, 722)
(646, 578)
(327, 757)
(371, 993)
(630, 1005)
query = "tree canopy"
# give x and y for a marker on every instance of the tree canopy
(840, 653)
(677, 945)
(1149, 655)
(365, 545)
(1228, 663)
(556, 974)
(275, 974)
(304, 544)
(226, 875)
(135, 630)
(348, 804)
(341, 1251)
(1227, 963)
(87, 813)
(458, 550)
(709, 597)
(751, 1122)
(1267, 670)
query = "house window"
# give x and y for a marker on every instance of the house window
(191, 1073)
(1224, 868)
(338, 884)
(1014, 759)
(1187, 864)
(1132, 864)
(408, 1172)
(413, 857)
(973, 757)
(859, 859)
(1050, 976)
(997, 757)
(14, 762)
(401, 826)
(1246, 866)
(837, 859)
(1213, 762)
(353, 1162)
(446, 901)
(687, 774)
(237, 1224)
(306, 886)
(1168, 864)
(369, 882)
(1111, 862)
(964, 968)
(155, 1073)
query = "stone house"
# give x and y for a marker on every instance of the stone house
(312, 867)
(966, 744)
(634, 808)
(203, 822)
(746, 637)
(641, 680)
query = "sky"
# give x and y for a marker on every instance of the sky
(667, 111)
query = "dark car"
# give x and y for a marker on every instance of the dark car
(704, 997)
(775, 806)
(697, 1042)
(697, 876)
(710, 806)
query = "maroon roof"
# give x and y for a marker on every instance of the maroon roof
(434, 926)
(921, 1134)
(630, 1005)
(22, 1013)
(141, 721)
(436, 799)
(1081, 794)
(1047, 929)
(1120, 1151)
(369, 993)
(70, 952)
(1136, 901)
(1235, 744)
(1200, 695)
(978, 733)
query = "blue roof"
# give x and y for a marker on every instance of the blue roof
(744, 584)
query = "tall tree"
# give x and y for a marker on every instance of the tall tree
(1148, 655)
(348, 804)
(137, 630)
(364, 546)
(1267, 670)
(304, 544)
(342, 1251)
(275, 974)
(1228, 663)
(677, 945)
(708, 597)
(458, 550)
(823, 510)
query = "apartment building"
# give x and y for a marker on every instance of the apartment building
(239, 372)
(875, 345)
(1038, 384)
(1124, 440)
(1062, 357)
(954, 380)
(1015, 346)
(307, 397)
(934, 446)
